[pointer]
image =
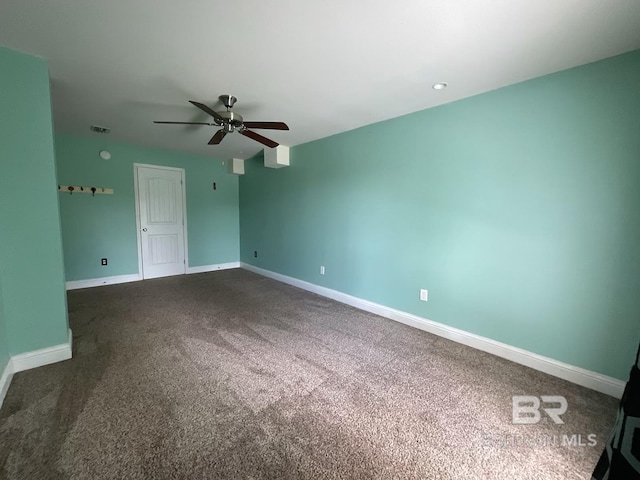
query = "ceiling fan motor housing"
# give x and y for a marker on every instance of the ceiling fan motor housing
(231, 118)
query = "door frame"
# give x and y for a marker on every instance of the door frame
(184, 212)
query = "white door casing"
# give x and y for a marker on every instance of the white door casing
(161, 225)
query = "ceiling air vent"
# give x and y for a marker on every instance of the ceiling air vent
(103, 130)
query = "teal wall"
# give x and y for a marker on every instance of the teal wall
(31, 266)
(104, 226)
(4, 346)
(517, 209)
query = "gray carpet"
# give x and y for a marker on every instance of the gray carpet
(231, 375)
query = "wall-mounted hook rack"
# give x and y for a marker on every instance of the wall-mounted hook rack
(82, 189)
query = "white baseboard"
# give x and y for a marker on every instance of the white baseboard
(97, 282)
(580, 376)
(5, 381)
(44, 356)
(213, 268)
(34, 359)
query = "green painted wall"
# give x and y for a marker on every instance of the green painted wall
(4, 346)
(104, 226)
(31, 265)
(517, 209)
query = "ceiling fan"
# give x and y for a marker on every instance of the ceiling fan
(231, 121)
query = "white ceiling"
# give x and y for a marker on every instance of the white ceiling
(323, 67)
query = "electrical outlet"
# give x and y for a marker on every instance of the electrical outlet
(321, 269)
(255, 253)
(424, 295)
(103, 262)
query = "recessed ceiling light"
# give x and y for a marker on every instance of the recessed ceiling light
(440, 85)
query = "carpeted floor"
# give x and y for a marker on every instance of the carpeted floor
(231, 375)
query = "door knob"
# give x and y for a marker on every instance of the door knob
(144, 229)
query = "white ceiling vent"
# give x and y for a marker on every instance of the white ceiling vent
(97, 129)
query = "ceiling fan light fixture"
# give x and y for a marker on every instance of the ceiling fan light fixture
(440, 85)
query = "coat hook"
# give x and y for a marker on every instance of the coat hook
(93, 191)
(71, 189)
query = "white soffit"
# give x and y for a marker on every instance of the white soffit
(235, 166)
(277, 157)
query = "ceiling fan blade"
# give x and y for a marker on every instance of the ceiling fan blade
(185, 123)
(208, 110)
(259, 138)
(269, 125)
(217, 138)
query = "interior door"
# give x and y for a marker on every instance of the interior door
(161, 218)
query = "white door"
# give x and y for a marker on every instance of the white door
(161, 218)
